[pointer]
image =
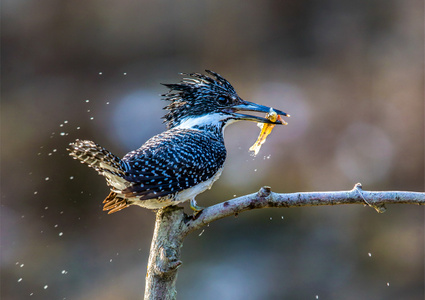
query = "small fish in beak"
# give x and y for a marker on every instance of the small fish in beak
(266, 129)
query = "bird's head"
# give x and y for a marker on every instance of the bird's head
(202, 100)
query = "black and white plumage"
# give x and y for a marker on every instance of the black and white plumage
(183, 161)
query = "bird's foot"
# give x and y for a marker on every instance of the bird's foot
(194, 206)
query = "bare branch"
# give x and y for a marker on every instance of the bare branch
(265, 198)
(164, 257)
(173, 225)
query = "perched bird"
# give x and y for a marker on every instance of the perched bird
(181, 162)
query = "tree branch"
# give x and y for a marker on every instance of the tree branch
(164, 256)
(172, 225)
(266, 198)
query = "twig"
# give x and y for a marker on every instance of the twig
(266, 198)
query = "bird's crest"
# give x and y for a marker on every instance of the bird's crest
(197, 95)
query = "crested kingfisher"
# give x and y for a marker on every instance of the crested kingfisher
(181, 162)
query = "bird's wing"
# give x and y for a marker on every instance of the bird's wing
(172, 163)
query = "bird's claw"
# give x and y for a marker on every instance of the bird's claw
(194, 206)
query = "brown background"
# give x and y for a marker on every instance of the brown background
(349, 72)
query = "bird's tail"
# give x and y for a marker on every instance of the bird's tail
(96, 157)
(106, 164)
(114, 203)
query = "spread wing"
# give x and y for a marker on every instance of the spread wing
(171, 162)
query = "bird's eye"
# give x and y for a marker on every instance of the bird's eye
(223, 100)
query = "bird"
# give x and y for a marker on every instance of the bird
(184, 160)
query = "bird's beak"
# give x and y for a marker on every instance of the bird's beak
(250, 106)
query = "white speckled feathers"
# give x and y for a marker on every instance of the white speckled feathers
(172, 161)
(183, 161)
(100, 159)
(170, 168)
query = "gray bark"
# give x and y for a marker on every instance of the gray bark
(164, 257)
(172, 225)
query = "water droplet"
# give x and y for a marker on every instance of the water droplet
(64, 272)
(87, 101)
(78, 128)
(125, 73)
(20, 279)
(107, 103)
(271, 218)
(47, 178)
(317, 296)
(56, 225)
(110, 260)
(65, 121)
(388, 284)
(92, 118)
(35, 193)
(46, 208)
(60, 233)
(62, 133)
(71, 177)
(46, 286)
(255, 170)
(100, 73)
(370, 254)
(22, 265)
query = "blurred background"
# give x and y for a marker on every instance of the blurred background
(349, 72)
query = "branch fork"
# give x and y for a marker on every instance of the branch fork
(173, 225)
